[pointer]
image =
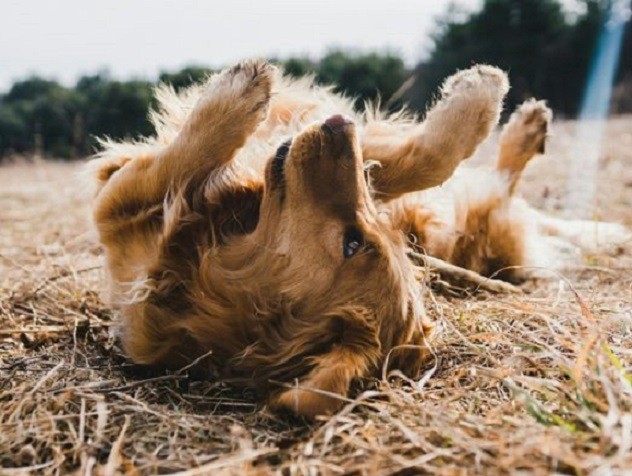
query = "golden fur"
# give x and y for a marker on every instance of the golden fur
(296, 270)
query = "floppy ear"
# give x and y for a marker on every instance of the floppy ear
(357, 353)
(235, 210)
(409, 357)
(324, 389)
(353, 351)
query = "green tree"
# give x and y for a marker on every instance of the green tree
(37, 114)
(546, 53)
(515, 35)
(116, 109)
(185, 77)
(298, 66)
(364, 77)
(13, 130)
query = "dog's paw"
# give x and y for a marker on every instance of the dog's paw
(481, 82)
(470, 105)
(246, 87)
(529, 125)
(476, 93)
(253, 80)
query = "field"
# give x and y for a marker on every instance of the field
(535, 383)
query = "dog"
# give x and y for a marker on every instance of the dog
(264, 233)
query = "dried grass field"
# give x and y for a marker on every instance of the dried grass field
(535, 383)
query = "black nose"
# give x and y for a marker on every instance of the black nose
(336, 123)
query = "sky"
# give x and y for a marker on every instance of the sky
(64, 39)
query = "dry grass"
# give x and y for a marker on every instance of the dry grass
(536, 383)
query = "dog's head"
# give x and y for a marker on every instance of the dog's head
(331, 256)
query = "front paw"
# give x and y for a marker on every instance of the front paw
(253, 81)
(482, 86)
(473, 98)
(470, 106)
(245, 87)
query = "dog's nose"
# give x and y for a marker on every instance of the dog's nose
(336, 123)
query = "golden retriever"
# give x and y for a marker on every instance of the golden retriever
(267, 226)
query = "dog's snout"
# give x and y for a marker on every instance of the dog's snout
(336, 123)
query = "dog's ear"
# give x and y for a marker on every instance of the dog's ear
(235, 210)
(324, 390)
(408, 359)
(98, 171)
(354, 351)
(410, 355)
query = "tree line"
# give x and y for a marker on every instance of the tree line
(546, 50)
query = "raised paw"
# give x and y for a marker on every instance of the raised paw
(529, 124)
(524, 136)
(427, 154)
(253, 80)
(468, 110)
(470, 105)
(472, 99)
(247, 86)
(483, 83)
(231, 107)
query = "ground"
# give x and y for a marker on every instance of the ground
(534, 383)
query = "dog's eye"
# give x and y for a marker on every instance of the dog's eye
(352, 243)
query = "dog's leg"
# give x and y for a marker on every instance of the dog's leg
(592, 237)
(492, 231)
(234, 104)
(128, 210)
(425, 155)
(488, 231)
(494, 234)
(228, 112)
(522, 138)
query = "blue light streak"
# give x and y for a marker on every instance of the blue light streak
(594, 110)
